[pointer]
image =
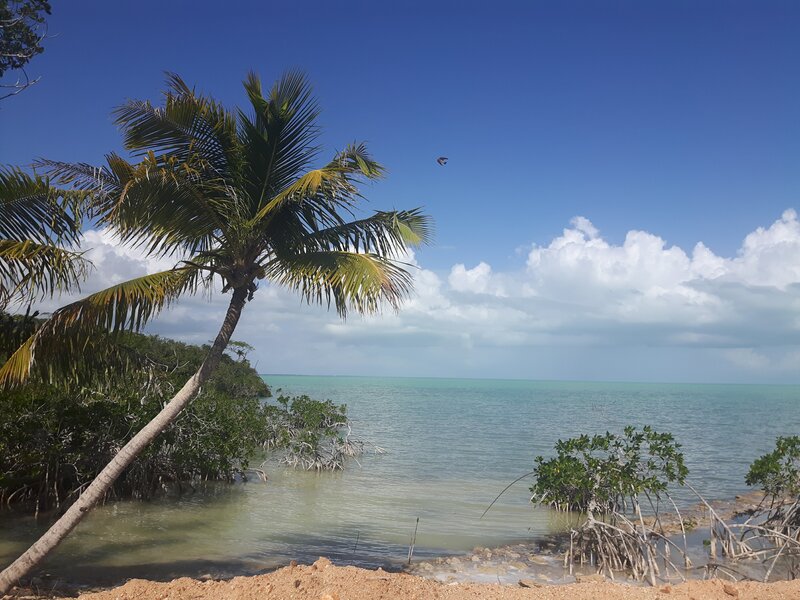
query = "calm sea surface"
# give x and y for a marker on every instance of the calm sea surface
(452, 445)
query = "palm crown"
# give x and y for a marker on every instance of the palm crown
(231, 195)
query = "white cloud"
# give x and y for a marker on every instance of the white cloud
(769, 256)
(114, 262)
(645, 280)
(475, 280)
(580, 307)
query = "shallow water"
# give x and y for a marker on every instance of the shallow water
(452, 446)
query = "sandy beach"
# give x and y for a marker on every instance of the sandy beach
(324, 581)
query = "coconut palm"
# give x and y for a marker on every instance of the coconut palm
(232, 196)
(38, 225)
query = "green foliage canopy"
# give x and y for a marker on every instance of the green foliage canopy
(604, 473)
(778, 472)
(55, 439)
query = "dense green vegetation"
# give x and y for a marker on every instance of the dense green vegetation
(55, 439)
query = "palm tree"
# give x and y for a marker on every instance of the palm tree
(232, 195)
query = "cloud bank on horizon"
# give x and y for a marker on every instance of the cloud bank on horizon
(579, 307)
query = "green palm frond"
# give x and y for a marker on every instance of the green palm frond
(355, 159)
(384, 233)
(166, 209)
(277, 140)
(97, 181)
(328, 188)
(348, 280)
(60, 343)
(35, 220)
(29, 269)
(31, 209)
(189, 128)
(163, 206)
(319, 195)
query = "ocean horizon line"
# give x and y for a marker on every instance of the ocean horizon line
(529, 380)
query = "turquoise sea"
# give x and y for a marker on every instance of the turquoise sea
(451, 446)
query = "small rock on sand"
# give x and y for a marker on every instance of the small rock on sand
(730, 590)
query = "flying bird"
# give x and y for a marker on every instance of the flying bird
(442, 160)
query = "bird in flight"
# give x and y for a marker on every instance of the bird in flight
(442, 160)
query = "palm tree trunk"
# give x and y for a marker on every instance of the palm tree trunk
(106, 478)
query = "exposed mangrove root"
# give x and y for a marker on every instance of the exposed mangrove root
(770, 535)
(259, 472)
(328, 456)
(313, 435)
(722, 536)
(618, 544)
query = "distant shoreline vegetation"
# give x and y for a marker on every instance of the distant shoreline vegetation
(54, 439)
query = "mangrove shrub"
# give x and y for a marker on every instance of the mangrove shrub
(609, 477)
(310, 433)
(774, 528)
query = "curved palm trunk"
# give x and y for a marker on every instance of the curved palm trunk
(106, 478)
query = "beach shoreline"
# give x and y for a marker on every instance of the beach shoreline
(325, 581)
(540, 564)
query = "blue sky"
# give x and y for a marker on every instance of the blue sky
(678, 119)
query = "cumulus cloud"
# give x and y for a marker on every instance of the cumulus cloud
(579, 307)
(475, 280)
(114, 263)
(646, 280)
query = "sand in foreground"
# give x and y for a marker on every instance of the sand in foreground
(323, 581)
